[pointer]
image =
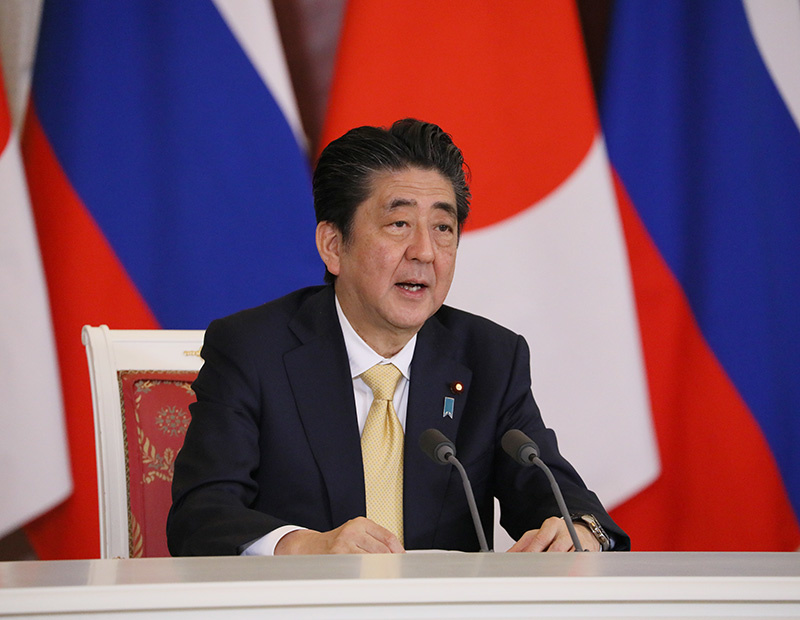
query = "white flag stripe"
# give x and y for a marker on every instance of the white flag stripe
(33, 450)
(249, 21)
(776, 28)
(558, 273)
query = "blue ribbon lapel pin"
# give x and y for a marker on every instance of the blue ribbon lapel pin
(449, 407)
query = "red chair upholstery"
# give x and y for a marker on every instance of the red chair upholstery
(155, 412)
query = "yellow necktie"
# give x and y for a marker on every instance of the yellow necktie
(382, 451)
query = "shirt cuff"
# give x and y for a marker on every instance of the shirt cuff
(267, 543)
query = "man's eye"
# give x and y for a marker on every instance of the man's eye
(444, 228)
(399, 224)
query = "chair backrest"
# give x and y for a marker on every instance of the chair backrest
(141, 389)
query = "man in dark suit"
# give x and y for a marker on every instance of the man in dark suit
(292, 449)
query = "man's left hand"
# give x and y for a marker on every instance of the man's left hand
(554, 536)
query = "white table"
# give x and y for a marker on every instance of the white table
(415, 585)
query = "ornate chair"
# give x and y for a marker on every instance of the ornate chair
(141, 388)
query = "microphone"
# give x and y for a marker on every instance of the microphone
(524, 451)
(437, 446)
(443, 451)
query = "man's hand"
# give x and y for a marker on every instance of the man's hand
(554, 536)
(359, 535)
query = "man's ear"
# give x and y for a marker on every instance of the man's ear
(329, 243)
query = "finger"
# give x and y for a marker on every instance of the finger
(543, 538)
(521, 545)
(361, 535)
(351, 537)
(530, 541)
(388, 541)
(562, 542)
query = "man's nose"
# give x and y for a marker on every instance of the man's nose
(420, 246)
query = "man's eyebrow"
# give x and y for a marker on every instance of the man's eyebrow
(396, 203)
(447, 206)
(443, 205)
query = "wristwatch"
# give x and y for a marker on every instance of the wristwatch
(595, 528)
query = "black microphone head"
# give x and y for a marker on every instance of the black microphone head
(436, 446)
(519, 446)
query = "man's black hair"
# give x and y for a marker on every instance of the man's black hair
(347, 166)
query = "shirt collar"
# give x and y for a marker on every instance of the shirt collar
(362, 357)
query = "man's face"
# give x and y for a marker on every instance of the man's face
(395, 270)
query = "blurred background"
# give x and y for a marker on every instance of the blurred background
(635, 175)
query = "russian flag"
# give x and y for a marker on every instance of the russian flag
(543, 250)
(701, 109)
(169, 184)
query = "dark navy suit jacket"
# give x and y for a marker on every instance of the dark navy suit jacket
(274, 438)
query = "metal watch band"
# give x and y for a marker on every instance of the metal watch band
(595, 528)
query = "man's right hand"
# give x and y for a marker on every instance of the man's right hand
(359, 535)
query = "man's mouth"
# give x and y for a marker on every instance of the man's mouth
(411, 286)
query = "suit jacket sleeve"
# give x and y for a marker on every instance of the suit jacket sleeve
(214, 487)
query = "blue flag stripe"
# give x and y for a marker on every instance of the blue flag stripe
(179, 152)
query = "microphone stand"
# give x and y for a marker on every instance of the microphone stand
(473, 507)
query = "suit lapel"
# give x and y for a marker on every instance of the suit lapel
(433, 370)
(319, 374)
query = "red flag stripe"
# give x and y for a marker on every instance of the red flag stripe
(717, 470)
(87, 285)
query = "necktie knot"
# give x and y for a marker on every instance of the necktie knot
(382, 380)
